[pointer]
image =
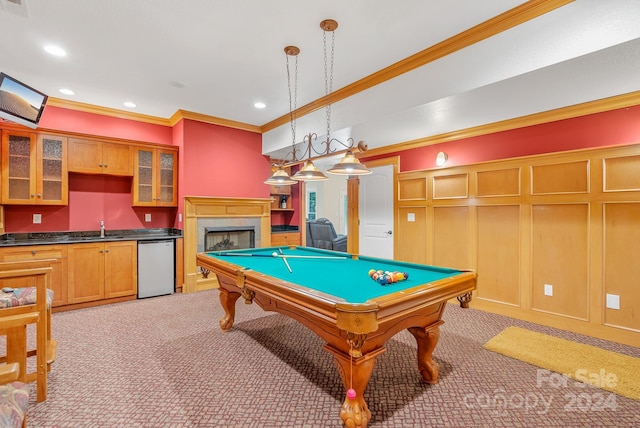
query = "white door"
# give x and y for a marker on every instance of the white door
(376, 212)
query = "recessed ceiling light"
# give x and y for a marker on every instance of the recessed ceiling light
(259, 105)
(129, 104)
(55, 50)
(66, 91)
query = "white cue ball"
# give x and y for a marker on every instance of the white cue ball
(274, 254)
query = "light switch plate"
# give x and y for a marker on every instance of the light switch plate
(548, 290)
(147, 217)
(37, 218)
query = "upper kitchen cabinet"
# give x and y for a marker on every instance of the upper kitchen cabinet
(34, 169)
(155, 179)
(97, 157)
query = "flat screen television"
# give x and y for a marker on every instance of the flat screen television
(20, 103)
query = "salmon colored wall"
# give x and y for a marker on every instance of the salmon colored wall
(225, 162)
(177, 136)
(94, 197)
(62, 119)
(616, 127)
(222, 162)
(91, 198)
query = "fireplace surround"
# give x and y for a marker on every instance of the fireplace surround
(202, 212)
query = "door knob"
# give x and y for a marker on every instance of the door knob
(389, 232)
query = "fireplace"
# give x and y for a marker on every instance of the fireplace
(229, 215)
(229, 238)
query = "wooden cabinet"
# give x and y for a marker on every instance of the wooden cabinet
(155, 178)
(285, 238)
(102, 270)
(281, 197)
(58, 256)
(97, 157)
(34, 169)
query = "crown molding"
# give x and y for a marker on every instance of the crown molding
(509, 19)
(184, 114)
(104, 111)
(591, 107)
(175, 118)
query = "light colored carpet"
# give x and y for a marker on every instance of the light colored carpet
(608, 370)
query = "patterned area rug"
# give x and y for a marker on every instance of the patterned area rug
(588, 364)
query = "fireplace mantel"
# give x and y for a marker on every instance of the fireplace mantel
(201, 207)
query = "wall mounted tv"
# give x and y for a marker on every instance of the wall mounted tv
(20, 103)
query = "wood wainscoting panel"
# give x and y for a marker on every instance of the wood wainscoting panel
(499, 253)
(451, 237)
(412, 189)
(565, 177)
(621, 173)
(559, 252)
(451, 186)
(621, 267)
(412, 234)
(501, 182)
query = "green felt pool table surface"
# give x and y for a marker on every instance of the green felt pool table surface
(344, 277)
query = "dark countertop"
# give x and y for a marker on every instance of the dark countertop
(49, 238)
(284, 228)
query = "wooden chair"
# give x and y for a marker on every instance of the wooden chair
(14, 397)
(28, 302)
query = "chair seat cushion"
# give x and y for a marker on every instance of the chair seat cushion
(14, 399)
(21, 297)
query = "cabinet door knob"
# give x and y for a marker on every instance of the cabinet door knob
(105, 165)
(33, 252)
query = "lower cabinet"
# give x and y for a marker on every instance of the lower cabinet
(101, 270)
(58, 256)
(285, 238)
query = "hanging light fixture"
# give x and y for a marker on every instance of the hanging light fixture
(349, 164)
(280, 176)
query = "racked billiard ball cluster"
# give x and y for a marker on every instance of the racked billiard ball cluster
(387, 277)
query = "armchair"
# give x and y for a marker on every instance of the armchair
(322, 234)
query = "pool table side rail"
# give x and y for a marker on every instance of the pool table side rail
(278, 289)
(334, 308)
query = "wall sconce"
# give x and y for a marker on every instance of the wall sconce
(441, 158)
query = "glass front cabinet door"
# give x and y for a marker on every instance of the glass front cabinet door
(155, 178)
(34, 169)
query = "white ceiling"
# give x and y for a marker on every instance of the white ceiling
(228, 54)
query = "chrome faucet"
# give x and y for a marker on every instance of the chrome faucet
(102, 228)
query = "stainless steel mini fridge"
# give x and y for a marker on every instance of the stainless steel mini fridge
(156, 268)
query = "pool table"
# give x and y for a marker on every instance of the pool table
(333, 294)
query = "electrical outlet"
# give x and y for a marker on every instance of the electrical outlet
(180, 218)
(147, 217)
(613, 301)
(548, 290)
(37, 218)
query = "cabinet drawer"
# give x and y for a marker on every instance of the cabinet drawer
(285, 239)
(32, 252)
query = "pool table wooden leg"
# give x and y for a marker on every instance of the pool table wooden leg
(427, 339)
(228, 301)
(355, 374)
